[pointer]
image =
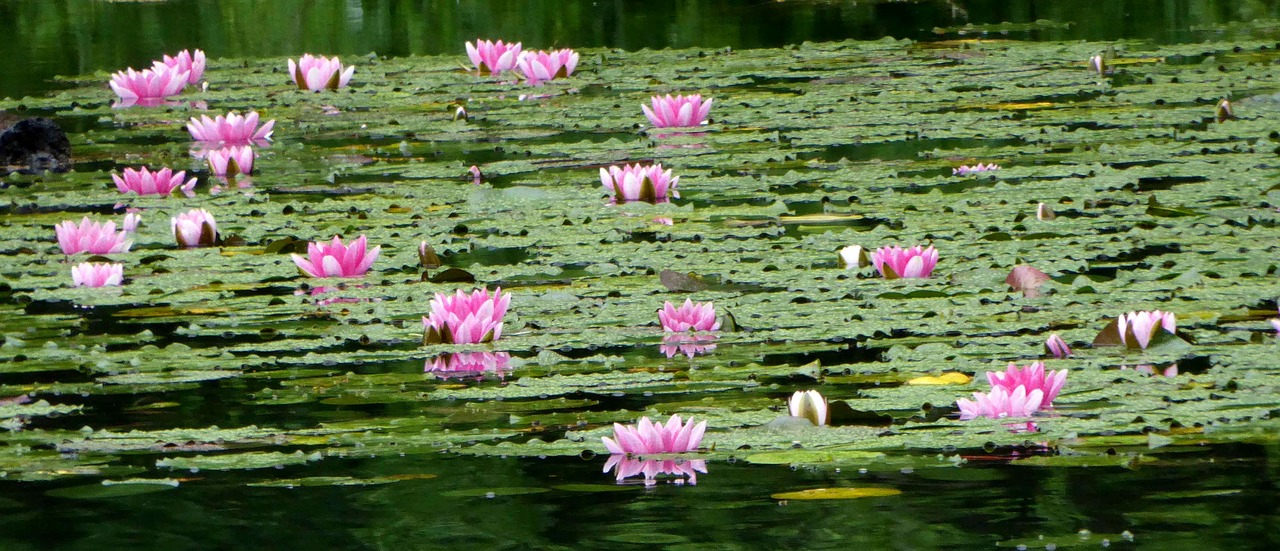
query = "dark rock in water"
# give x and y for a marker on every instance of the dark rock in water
(34, 145)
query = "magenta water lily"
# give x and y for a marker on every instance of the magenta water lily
(466, 319)
(233, 129)
(683, 470)
(965, 170)
(1033, 377)
(647, 437)
(148, 85)
(678, 111)
(1056, 346)
(1000, 403)
(491, 58)
(1137, 329)
(335, 259)
(690, 316)
(97, 274)
(230, 161)
(895, 262)
(648, 183)
(184, 62)
(91, 237)
(542, 66)
(145, 182)
(315, 73)
(194, 228)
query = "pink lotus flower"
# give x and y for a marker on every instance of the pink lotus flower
(689, 345)
(639, 183)
(975, 169)
(462, 364)
(1033, 377)
(491, 58)
(145, 182)
(91, 237)
(679, 111)
(97, 274)
(194, 228)
(317, 73)
(895, 262)
(1138, 328)
(1001, 403)
(233, 129)
(148, 85)
(231, 160)
(1057, 347)
(466, 319)
(335, 259)
(625, 467)
(540, 66)
(185, 62)
(811, 405)
(653, 438)
(688, 317)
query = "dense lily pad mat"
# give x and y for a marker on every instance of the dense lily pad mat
(226, 358)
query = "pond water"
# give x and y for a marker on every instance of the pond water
(221, 399)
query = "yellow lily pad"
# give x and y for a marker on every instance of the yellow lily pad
(948, 378)
(838, 493)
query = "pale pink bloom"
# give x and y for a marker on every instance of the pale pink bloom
(145, 182)
(315, 73)
(91, 237)
(678, 111)
(664, 221)
(967, 170)
(1148, 369)
(652, 438)
(895, 262)
(638, 182)
(625, 467)
(97, 274)
(231, 160)
(491, 58)
(1001, 403)
(1034, 377)
(1276, 323)
(540, 66)
(185, 62)
(131, 221)
(1097, 65)
(476, 176)
(466, 319)
(688, 317)
(689, 345)
(148, 84)
(233, 129)
(1138, 328)
(1057, 347)
(462, 364)
(334, 259)
(811, 405)
(194, 228)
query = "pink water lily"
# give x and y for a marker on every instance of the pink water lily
(131, 221)
(678, 111)
(185, 62)
(194, 228)
(648, 437)
(1033, 377)
(91, 237)
(541, 66)
(148, 85)
(97, 274)
(315, 73)
(230, 160)
(690, 316)
(1138, 328)
(965, 170)
(491, 58)
(145, 182)
(466, 319)
(462, 364)
(334, 259)
(648, 183)
(1056, 346)
(233, 129)
(1000, 403)
(683, 470)
(895, 262)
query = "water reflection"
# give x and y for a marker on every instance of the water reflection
(1147, 369)
(683, 470)
(468, 364)
(688, 344)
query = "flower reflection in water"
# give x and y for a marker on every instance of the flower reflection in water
(1148, 369)
(319, 291)
(468, 364)
(624, 467)
(688, 344)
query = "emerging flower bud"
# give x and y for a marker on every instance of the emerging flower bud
(194, 228)
(461, 114)
(1224, 112)
(1096, 65)
(809, 404)
(1043, 212)
(1057, 347)
(853, 257)
(427, 256)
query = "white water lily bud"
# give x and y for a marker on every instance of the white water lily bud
(809, 404)
(1043, 212)
(853, 257)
